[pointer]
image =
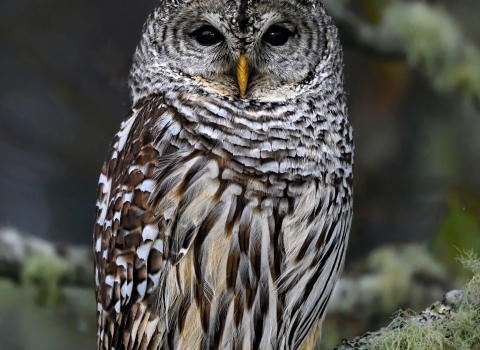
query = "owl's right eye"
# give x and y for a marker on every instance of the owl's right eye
(207, 36)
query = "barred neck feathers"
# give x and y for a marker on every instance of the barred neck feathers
(277, 140)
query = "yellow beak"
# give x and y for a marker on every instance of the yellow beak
(242, 74)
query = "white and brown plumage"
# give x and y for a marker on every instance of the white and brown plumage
(225, 201)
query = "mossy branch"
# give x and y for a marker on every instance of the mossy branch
(452, 324)
(28, 259)
(423, 34)
(360, 34)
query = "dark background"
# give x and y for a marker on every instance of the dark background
(63, 94)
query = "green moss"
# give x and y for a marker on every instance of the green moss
(45, 271)
(457, 328)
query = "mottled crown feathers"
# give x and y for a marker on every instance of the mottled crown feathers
(246, 3)
(167, 54)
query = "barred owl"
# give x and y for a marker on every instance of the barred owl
(225, 202)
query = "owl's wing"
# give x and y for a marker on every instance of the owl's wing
(144, 227)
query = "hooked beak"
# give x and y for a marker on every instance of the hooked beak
(242, 74)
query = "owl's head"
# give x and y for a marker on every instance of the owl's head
(237, 49)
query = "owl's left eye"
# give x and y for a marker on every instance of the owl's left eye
(207, 36)
(277, 35)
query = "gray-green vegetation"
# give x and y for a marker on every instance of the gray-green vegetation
(451, 324)
(45, 271)
(434, 41)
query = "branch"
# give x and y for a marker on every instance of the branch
(432, 326)
(17, 251)
(360, 34)
(424, 35)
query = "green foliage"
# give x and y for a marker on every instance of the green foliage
(458, 331)
(434, 41)
(45, 272)
(460, 231)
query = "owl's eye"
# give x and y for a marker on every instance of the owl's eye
(207, 35)
(276, 35)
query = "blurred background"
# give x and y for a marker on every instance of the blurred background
(63, 94)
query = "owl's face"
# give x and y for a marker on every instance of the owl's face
(240, 49)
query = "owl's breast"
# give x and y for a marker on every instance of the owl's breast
(223, 240)
(248, 249)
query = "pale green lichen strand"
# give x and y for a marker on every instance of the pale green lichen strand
(435, 42)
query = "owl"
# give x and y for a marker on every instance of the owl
(225, 201)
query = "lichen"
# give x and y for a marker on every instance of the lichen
(434, 41)
(457, 328)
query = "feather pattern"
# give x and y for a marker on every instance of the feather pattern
(222, 223)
